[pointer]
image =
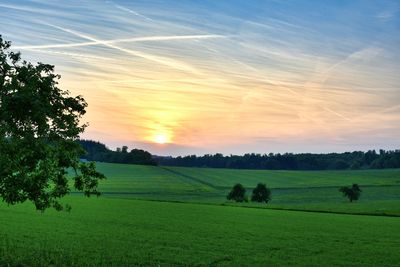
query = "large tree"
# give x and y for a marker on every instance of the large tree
(39, 126)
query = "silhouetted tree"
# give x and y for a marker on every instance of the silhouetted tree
(352, 193)
(96, 151)
(288, 161)
(261, 193)
(39, 125)
(237, 193)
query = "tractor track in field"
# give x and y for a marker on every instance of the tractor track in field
(219, 187)
(222, 188)
(383, 214)
(193, 179)
(189, 193)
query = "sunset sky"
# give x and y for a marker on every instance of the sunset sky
(222, 76)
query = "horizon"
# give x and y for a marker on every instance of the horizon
(224, 77)
(242, 154)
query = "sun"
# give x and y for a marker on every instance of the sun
(161, 138)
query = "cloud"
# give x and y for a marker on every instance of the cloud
(158, 59)
(387, 15)
(125, 40)
(216, 80)
(132, 12)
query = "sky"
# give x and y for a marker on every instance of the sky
(196, 77)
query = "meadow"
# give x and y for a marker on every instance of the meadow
(164, 216)
(124, 232)
(300, 190)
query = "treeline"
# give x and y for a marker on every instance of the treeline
(371, 159)
(288, 161)
(96, 151)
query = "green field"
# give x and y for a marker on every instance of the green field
(123, 232)
(164, 216)
(290, 179)
(303, 190)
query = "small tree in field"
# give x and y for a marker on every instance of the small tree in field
(352, 193)
(39, 126)
(237, 193)
(261, 193)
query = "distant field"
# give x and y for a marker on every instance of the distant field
(287, 179)
(305, 190)
(145, 179)
(122, 232)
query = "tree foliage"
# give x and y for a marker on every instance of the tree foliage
(238, 193)
(352, 193)
(261, 193)
(288, 161)
(39, 126)
(96, 151)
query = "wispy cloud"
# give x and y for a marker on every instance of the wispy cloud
(222, 75)
(158, 59)
(387, 15)
(132, 12)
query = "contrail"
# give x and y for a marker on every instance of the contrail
(132, 12)
(125, 40)
(161, 60)
(320, 106)
(336, 113)
(70, 54)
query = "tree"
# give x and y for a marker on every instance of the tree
(39, 126)
(237, 193)
(261, 193)
(352, 193)
(340, 165)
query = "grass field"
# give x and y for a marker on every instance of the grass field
(303, 190)
(121, 232)
(290, 179)
(138, 222)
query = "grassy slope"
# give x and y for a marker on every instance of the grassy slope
(118, 232)
(144, 179)
(313, 190)
(288, 179)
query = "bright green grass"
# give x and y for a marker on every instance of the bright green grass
(118, 232)
(115, 231)
(314, 190)
(144, 179)
(285, 179)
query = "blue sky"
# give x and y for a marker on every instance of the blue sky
(223, 76)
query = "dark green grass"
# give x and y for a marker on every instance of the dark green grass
(118, 232)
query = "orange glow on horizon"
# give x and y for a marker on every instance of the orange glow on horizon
(251, 91)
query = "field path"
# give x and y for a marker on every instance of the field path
(193, 178)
